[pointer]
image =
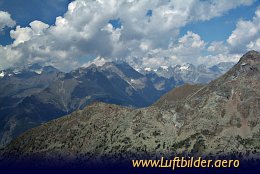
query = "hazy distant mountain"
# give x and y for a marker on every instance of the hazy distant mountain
(221, 118)
(188, 73)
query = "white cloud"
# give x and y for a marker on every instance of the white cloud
(6, 20)
(254, 45)
(246, 35)
(188, 45)
(38, 27)
(218, 47)
(212, 8)
(8, 56)
(21, 35)
(84, 30)
(188, 48)
(217, 58)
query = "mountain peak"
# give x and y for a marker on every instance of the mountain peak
(99, 61)
(250, 56)
(245, 71)
(252, 52)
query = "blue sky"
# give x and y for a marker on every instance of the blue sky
(26, 11)
(220, 28)
(67, 34)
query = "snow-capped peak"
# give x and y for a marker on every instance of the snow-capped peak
(148, 69)
(185, 67)
(164, 67)
(99, 61)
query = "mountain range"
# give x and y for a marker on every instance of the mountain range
(35, 94)
(190, 73)
(217, 119)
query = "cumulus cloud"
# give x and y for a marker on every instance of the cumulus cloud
(246, 35)
(188, 45)
(8, 56)
(217, 58)
(38, 27)
(21, 35)
(218, 48)
(188, 48)
(85, 30)
(6, 20)
(254, 45)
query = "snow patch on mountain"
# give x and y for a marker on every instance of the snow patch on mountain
(16, 71)
(138, 83)
(38, 72)
(2, 74)
(148, 69)
(185, 67)
(165, 67)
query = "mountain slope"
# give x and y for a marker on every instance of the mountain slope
(178, 94)
(218, 119)
(17, 113)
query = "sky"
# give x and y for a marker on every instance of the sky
(67, 34)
